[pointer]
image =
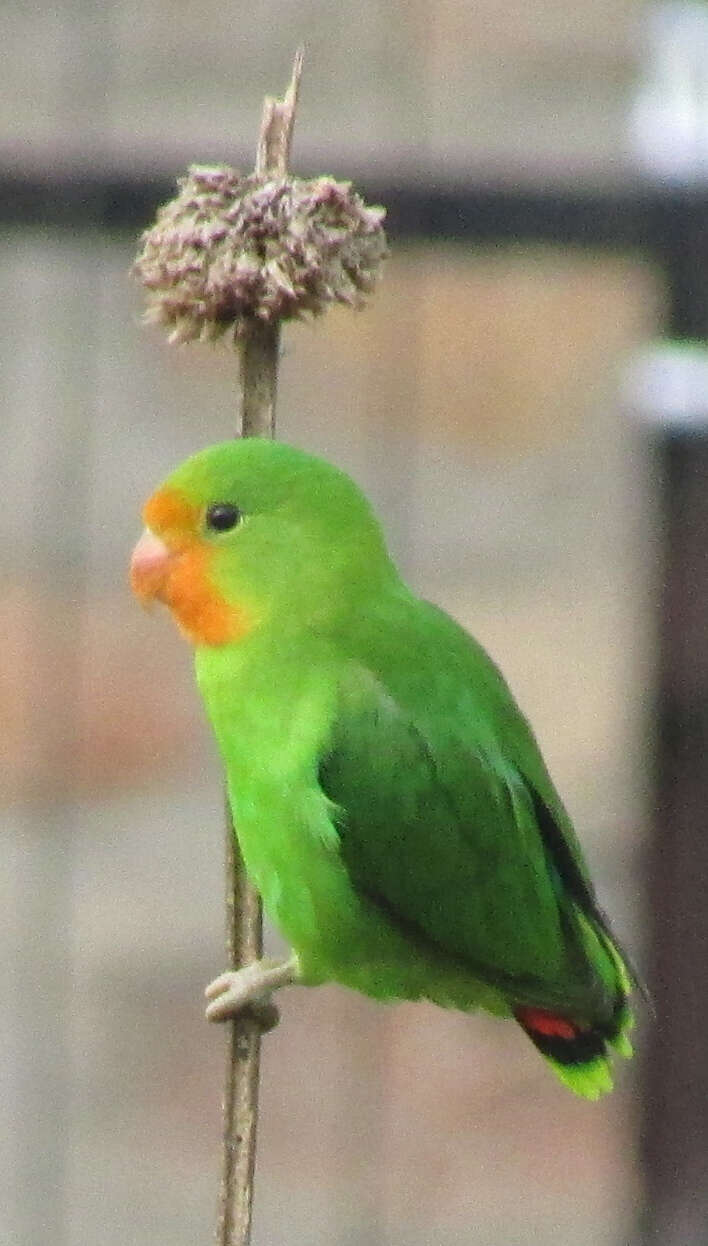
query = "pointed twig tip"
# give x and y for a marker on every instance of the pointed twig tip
(297, 65)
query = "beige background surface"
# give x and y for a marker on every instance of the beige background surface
(410, 88)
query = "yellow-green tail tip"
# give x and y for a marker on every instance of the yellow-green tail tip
(580, 1057)
(590, 1081)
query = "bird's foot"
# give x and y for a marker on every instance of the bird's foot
(248, 990)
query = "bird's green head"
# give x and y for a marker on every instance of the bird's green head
(252, 531)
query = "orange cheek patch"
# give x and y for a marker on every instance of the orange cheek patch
(201, 611)
(203, 614)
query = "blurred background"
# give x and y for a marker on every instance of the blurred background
(544, 168)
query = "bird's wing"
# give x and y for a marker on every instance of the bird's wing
(452, 843)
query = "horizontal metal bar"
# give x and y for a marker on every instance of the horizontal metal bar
(634, 215)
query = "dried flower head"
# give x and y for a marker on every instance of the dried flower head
(230, 249)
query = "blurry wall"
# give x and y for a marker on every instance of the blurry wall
(476, 401)
(408, 89)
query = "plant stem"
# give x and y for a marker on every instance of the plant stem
(258, 376)
(244, 931)
(258, 368)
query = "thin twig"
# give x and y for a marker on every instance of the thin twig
(258, 375)
(277, 126)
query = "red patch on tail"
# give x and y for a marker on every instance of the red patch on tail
(538, 1021)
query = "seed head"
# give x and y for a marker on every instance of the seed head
(228, 250)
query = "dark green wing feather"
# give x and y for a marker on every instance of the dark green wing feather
(454, 843)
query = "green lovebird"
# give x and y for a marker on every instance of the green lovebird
(391, 803)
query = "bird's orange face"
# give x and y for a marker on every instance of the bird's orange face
(173, 562)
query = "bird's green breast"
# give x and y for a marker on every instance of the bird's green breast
(271, 706)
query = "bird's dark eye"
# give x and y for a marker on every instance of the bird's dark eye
(222, 516)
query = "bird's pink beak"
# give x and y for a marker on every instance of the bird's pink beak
(149, 566)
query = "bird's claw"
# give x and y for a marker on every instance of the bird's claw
(236, 993)
(247, 992)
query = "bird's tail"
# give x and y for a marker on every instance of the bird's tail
(580, 1055)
